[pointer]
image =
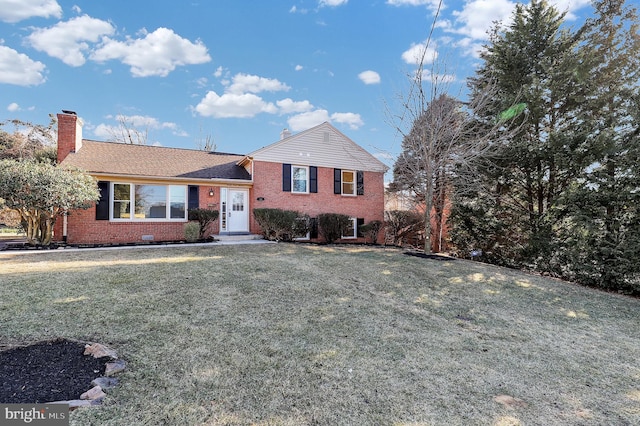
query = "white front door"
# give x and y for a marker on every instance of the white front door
(238, 210)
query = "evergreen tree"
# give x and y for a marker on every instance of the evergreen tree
(535, 63)
(604, 207)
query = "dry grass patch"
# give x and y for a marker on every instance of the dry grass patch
(299, 334)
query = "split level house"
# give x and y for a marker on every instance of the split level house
(146, 191)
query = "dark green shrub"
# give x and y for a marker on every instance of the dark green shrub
(333, 226)
(281, 225)
(205, 217)
(370, 231)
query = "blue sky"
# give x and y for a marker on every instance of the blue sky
(237, 71)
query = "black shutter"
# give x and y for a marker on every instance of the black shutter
(102, 206)
(360, 180)
(313, 227)
(193, 198)
(359, 223)
(286, 177)
(313, 179)
(337, 181)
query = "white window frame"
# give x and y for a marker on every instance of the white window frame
(354, 183)
(306, 237)
(132, 206)
(307, 182)
(354, 220)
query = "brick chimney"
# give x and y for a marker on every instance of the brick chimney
(69, 134)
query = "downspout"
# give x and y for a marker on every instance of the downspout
(64, 227)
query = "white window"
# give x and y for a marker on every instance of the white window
(352, 229)
(348, 182)
(300, 179)
(149, 202)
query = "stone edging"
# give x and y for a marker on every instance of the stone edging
(96, 394)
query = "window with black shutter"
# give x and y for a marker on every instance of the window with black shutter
(193, 197)
(286, 177)
(337, 181)
(359, 225)
(360, 182)
(313, 179)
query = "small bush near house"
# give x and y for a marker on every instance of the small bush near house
(191, 231)
(205, 217)
(333, 226)
(371, 230)
(403, 227)
(281, 225)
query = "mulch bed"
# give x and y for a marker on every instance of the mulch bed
(429, 256)
(54, 370)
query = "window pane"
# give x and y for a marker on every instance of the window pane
(348, 183)
(299, 179)
(178, 199)
(150, 202)
(350, 232)
(122, 201)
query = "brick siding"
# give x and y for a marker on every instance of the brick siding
(83, 228)
(268, 185)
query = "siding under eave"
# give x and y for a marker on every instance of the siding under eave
(313, 148)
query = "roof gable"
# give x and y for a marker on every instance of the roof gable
(323, 146)
(152, 161)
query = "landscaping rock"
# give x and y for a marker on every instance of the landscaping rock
(99, 351)
(106, 383)
(93, 393)
(115, 367)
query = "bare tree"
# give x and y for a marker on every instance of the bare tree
(206, 143)
(28, 140)
(443, 137)
(128, 132)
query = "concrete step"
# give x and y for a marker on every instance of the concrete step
(239, 237)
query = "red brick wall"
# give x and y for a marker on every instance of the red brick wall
(268, 185)
(83, 228)
(66, 135)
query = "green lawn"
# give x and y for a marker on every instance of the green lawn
(288, 334)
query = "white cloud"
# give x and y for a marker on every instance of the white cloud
(105, 131)
(13, 107)
(230, 105)
(298, 67)
(478, 17)
(67, 40)
(289, 106)
(145, 121)
(431, 4)
(570, 6)
(415, 54)
(331, 3)
(140, 122)
(307, 120)
(218, 72)
(157, 54)
(17, 10)
(242, 83)
(354, 121)
(17, 68)
(369, 77)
